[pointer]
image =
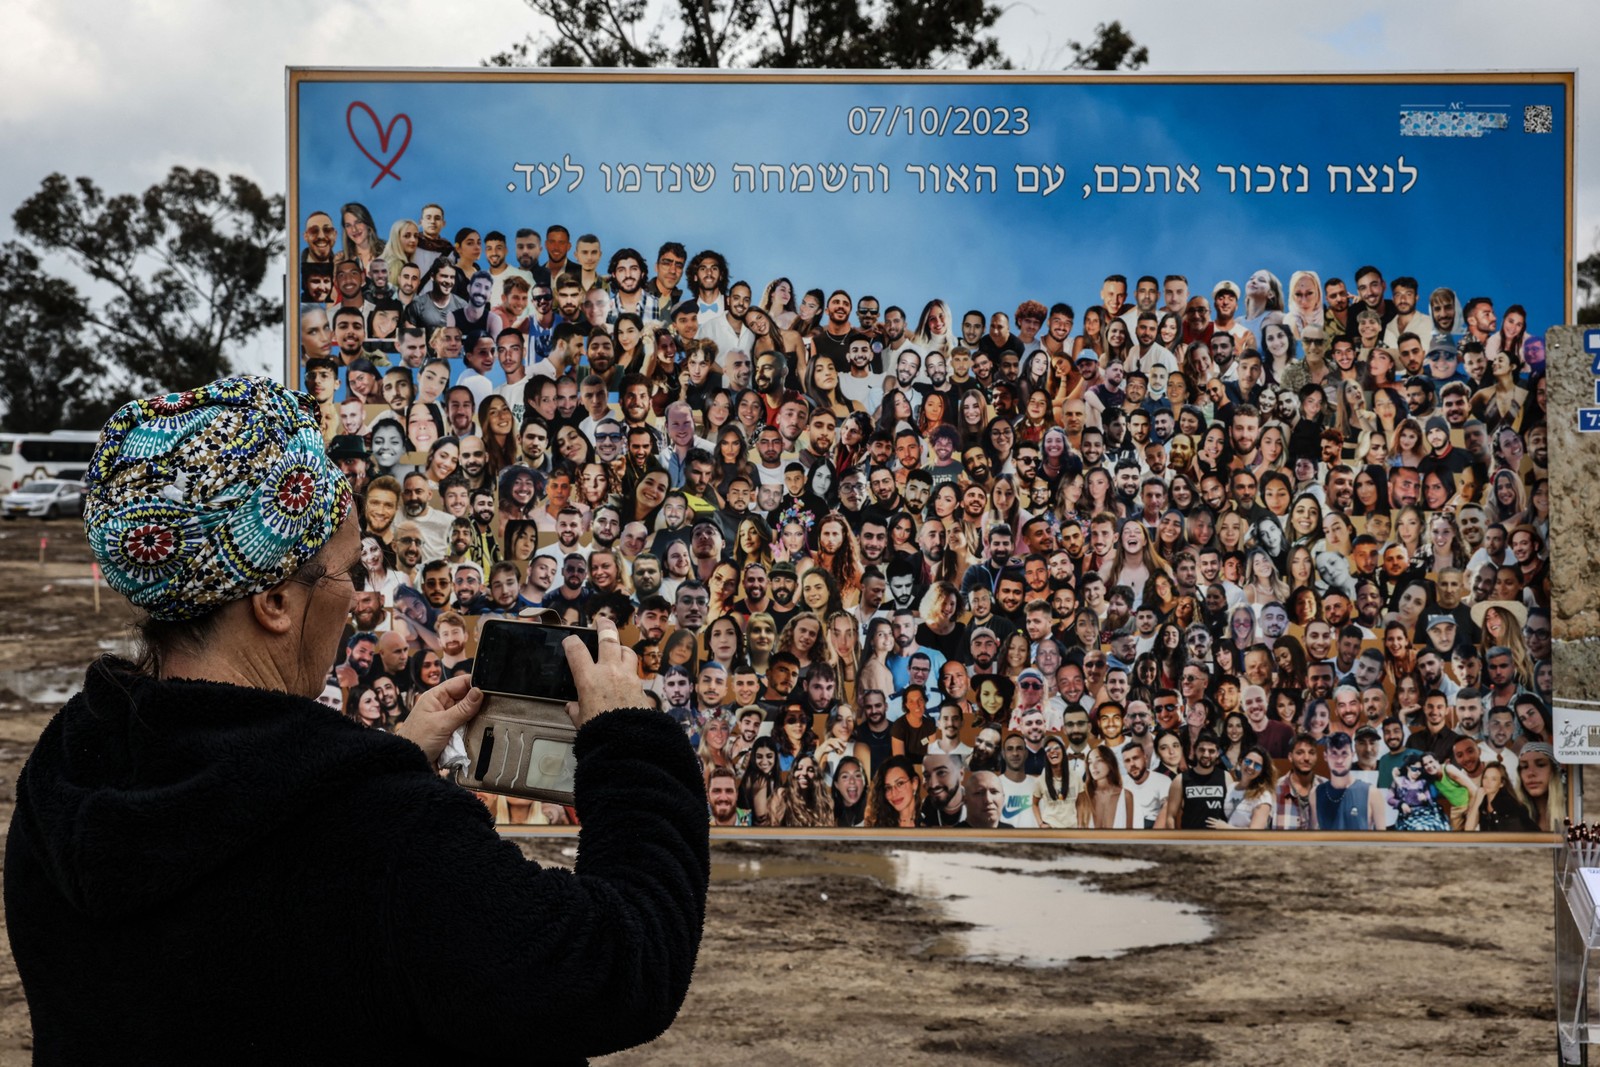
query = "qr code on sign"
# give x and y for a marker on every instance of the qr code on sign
(1537, 118)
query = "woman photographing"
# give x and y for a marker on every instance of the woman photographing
(225, 803)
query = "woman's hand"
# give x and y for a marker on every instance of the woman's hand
(1218, 824)
(608, 681)
(440, 712)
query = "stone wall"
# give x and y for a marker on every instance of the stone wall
(1574, 488)
(1577, 669)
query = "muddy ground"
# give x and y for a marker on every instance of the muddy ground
(1321, 954)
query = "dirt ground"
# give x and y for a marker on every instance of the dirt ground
(1321, 954)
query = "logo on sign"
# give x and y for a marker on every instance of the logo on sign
(1577, 731)
(1578, 735)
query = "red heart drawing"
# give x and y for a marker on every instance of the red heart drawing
(385, 133)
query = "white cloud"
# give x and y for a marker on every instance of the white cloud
(119, 90)
(49, 65)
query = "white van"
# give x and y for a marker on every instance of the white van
(58, 454)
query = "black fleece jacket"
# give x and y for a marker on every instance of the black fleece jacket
(202, 873)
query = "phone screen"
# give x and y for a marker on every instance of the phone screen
(526, 659)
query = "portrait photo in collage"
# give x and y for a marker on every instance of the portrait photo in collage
(1258, 552)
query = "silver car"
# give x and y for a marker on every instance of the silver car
(44, 498)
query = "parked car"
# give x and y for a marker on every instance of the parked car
(44, 498)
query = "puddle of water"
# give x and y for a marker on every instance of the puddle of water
(43, 685)
(53, 686)
(1031, 913)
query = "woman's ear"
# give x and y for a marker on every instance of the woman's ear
(275, 610)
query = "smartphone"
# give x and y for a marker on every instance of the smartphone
(520, 743)
(525, 659)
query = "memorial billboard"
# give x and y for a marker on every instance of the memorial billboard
(1045, 453)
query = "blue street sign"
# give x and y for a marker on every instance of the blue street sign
(1591, 344)
(1589, 420)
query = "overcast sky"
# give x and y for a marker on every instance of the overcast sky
(121, 91)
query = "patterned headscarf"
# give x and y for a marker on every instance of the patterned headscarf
(200, 498)
(1540, 748)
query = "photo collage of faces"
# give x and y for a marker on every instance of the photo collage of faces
(1176, 555)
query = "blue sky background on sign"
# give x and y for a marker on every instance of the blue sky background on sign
(1022, 244)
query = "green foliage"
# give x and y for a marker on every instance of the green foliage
(182, 264)
(811, 34)
(1113, 48)
(1589, 288)
(46, 365)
